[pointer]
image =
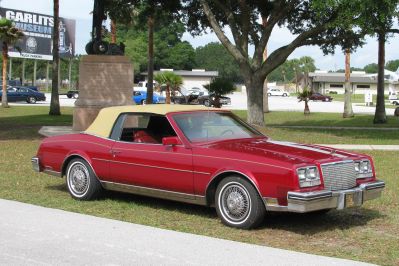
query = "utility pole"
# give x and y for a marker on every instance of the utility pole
(34, 72)
(23, 71)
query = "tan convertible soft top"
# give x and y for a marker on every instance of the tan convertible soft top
(105, 119)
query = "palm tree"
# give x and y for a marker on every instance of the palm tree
(9, 35)
(171, 80)
(348, 111)
(304, 96)
(55, 101)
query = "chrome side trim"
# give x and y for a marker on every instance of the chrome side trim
(153, 192)
(152, 166)
(51, 172)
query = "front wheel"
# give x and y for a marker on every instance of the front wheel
(75, 95)
(207, 103)
(142, 102)
(81, 181)
(31, 99)
(238, 204)
(269, 94)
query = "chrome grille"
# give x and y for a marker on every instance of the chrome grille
(340, 175)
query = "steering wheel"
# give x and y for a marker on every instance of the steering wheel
(227, 131)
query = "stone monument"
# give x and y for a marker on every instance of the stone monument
(105, 75)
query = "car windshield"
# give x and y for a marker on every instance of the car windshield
(213, 126)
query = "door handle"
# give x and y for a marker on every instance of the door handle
(114, 153)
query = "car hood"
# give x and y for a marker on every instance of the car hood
(282, 151)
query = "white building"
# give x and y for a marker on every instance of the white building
(361, 82)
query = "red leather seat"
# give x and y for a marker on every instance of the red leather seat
(142, 136)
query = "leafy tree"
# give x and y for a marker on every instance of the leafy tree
(219, 86)
(9, 35)
(371, 68)
(378, 19)
(314, 22)
(169, 50)
(392, 65)
(55, 101)
(215, 57)
(304, 96)
(292, 67)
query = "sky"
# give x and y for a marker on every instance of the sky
(80, 11)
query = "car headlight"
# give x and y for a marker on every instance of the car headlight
(363, 169)
(308, 176)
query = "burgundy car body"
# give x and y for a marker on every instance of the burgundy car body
(189, 171)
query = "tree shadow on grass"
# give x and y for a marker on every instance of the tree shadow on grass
(26, 127)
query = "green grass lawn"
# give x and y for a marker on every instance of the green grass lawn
(280, 118)
(367, 234)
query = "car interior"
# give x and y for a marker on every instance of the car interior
(146, 129)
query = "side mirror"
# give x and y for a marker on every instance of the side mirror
(171, 141)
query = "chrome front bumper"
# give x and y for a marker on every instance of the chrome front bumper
(35, 164)
(319, 200)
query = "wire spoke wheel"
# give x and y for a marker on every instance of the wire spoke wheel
(235, 202)
(78, 179)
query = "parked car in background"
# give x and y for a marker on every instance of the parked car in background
(277, 92)
(320, 97)
(210, 100)
(199, 97)
(72, 94)
(139, 97)
(209, 157)
(20, 94)
(394, 101)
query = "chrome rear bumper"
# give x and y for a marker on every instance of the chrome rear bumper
(35, 164)
(319, 200)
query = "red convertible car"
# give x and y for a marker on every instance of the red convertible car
(209, 157)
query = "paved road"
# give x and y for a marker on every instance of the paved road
(239, 101)
(31, 235)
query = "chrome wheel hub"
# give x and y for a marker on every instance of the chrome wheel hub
(235, 202)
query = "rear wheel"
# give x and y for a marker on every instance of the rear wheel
(143, 102)
(75, 95)
(285, 95)
(269, 94)
(207, 103)
(238, 204)
(81, 181)
(31, 99)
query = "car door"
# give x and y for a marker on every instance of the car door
(12, 95)
(140, 159)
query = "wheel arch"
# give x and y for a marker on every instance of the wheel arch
(212, 186)
(72, 156)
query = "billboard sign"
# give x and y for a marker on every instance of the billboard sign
(38, 29)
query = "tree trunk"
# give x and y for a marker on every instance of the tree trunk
(150, 85)
(55, 101)
(348, 111)
(380, 116)
(307, 110)
(167, 100)
(4, 101)
(255, 100)
(113, 31)
(265, 95)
